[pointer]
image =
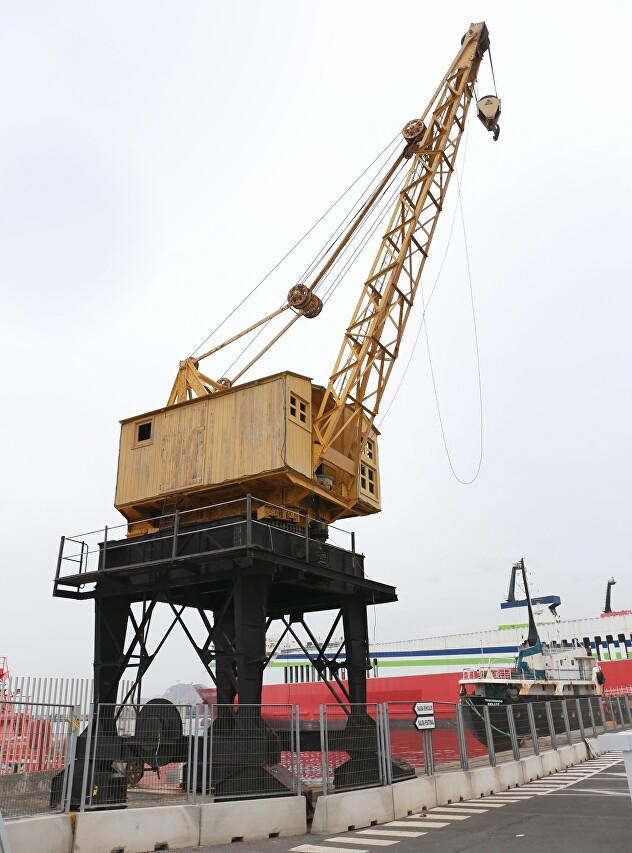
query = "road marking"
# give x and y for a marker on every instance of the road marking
(457, 809)
(315, 848)
(374, 842)
(432, 816)
(417, 823)
(485, 804)
(399, 833)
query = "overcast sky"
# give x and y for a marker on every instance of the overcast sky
(157, 159)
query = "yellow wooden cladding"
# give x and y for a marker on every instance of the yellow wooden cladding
(255, 438)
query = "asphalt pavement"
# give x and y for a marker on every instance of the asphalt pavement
(580, 810)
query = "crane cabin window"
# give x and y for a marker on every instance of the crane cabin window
(368, 480)
(143, 433)
(298, 410)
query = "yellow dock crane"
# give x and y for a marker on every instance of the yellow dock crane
(229, 489)
(296, 446)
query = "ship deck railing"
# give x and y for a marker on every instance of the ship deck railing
(502, 673)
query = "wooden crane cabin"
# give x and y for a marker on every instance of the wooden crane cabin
(255, 438)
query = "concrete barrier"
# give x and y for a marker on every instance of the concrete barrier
(46, 834)
(453, 787)
(137, 830)
(567, 756)
(252, 820)
(353, 809)
(483, 781)
(551, 762)
(531, 768)
(510, 775)
(413, 795)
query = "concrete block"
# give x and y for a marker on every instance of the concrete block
(413, 795)
(509, 775)
(551, 762)
(567, 756)
(453, 787)
(580, 752)
(46, 834)
(339, 812)
(531, 768)
(483, 781)
(137, 830)
(252, 820)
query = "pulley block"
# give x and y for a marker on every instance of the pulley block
(304, 301)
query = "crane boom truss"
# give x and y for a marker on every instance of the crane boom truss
(372, 340)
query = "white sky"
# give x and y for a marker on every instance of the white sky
(157, 159)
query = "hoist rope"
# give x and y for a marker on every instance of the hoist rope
(383, 212)
(289, 252)
(422, 325)
(489, 51)
(333, 239)
(380, 216)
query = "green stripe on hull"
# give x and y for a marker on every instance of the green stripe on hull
(444, 662)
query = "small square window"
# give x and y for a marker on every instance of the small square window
(367, 479)
(368, 449)
(298, 410)
(143, 432)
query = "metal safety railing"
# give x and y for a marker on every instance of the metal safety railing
(156, 752)
(179, 535)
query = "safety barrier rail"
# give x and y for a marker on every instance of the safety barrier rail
(178, 535)
(157, 753)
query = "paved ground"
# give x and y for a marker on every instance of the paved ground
(584, 809)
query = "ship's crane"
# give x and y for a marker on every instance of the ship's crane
(303, 447)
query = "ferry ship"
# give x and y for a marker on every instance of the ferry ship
(430, 669)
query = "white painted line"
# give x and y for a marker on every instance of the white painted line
(315, 848)
(432, 816)
(484, 804)
(458, 809)
(374, 842)
(396, 833)
(418, 823)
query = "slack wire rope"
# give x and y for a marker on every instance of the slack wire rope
(289, 252)
(350, 261)
(422, 325)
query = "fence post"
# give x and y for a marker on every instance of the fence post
(86, 759)
(532, 727)
(194, 733)
(460, 730)
(324, 756)
(580, 718)
(204, 753)
(515, 746)
(387, 745)
(626, 702)
(592, 718)
(176, 526)
(567, 725)
(620, 711)
(248, 521)
(489, 736)
(5, 847)
(297, 750)
(549, 717)
(602, 712)
(71, 751)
